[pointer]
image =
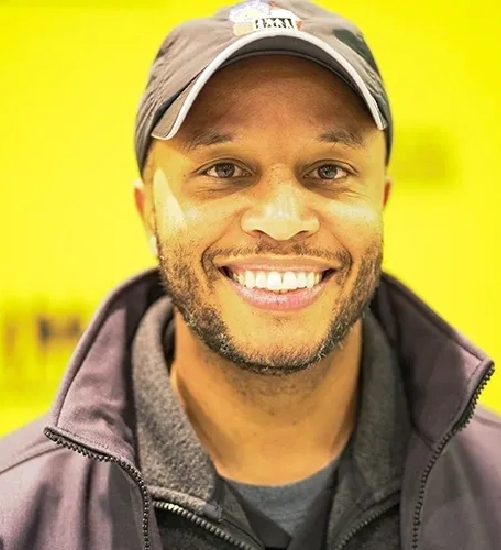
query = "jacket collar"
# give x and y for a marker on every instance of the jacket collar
(441, 368)
(163, 430)
(94, 405)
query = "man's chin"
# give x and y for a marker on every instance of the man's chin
(280, 355)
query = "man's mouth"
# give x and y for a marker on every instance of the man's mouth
(278, 282)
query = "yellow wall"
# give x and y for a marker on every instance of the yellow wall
(71, 75)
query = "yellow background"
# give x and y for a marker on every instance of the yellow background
(71, 75)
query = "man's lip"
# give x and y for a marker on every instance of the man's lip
(279, 265)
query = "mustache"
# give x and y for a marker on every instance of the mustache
(342, 257)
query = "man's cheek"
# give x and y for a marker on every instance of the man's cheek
(361, 224)
(169, 210)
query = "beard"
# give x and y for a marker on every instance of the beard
(205, 321)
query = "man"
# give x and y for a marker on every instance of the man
(267, 387)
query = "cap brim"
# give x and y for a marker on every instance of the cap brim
(268, 42)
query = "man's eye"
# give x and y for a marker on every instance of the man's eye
(225, 170)
(329, 172)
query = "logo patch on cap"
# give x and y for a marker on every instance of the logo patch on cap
(258, 15)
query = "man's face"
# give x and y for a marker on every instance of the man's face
(268, 194)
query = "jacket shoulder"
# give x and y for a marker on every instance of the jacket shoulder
(480, 440)
(46, 487)
(488, 420)
(461, 502)
(24, 444)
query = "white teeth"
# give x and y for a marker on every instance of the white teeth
(310, 280)
(290, 281)
(278, 282)
(302, 280)
(273, 281)
(249, 279)
(261, 280)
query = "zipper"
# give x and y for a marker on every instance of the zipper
(465, 419)
(377, 512)
(201, 522)
(101, 457)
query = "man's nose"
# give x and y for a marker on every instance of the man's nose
(282, 213)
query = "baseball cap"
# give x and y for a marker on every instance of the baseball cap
(195, 50)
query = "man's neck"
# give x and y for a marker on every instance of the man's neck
(262, 429)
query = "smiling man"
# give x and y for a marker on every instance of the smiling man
(270, 246)
(267, 386)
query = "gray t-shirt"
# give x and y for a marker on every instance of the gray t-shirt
(287, 506)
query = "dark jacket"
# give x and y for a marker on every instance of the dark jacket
(71, 481)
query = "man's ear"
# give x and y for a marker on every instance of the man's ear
(388, 186)
(152, 244)
(140, 200)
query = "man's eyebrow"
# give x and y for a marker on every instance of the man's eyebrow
(345, 137)
(205, 138)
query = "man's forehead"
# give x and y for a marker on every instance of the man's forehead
(333, 114)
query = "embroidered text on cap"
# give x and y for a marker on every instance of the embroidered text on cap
(257, 15)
